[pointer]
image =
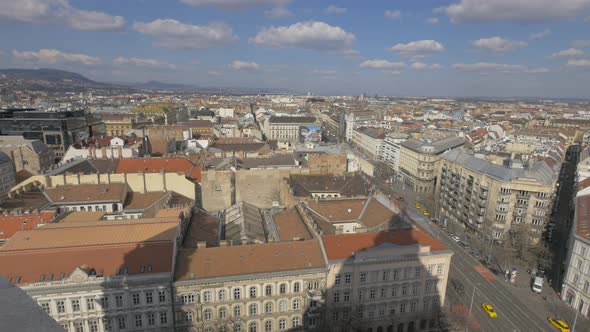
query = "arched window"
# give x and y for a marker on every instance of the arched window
(253, 327)
(237, 327)
(283, 305)
(208, 329)
(282, 324)
(296, 287)
(221, 295)
(207, 314)
(283, 289)
(268, 326)
(253, 309)
(237, 293)
(237, 311)
(207, 296)
(296, 304)
(268, 308)
(268, 290)
(295, 322)
(252, 292)
(222, 313)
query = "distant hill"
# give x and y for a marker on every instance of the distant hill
(45, 74)
(157, 85)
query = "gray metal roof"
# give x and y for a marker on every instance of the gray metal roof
(244, 224)
(435, 147)
(538, 171)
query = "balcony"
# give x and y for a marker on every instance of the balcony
(483, 194)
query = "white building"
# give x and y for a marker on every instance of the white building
(369, 141)
(390, 150)
(225, 112)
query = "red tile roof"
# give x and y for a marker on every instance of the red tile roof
(11, 224)
(290, 226)
(342, 246)
(156, 165)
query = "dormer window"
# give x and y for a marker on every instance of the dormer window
(42, 277)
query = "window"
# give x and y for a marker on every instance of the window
(372, 294)
(402, 308)
(404, 289)
(296, 287)
(252, 292)
(337, 280)
(119, 300)
(582, 251)
(237, 327)
(363, 277)
(430, 267)
(576, 277)
(361, 295)
(282, 324)
(282, 305)
(151, 319)
(149, 298)
(396, 274)
(268, 326)
(207, 314)
(282, 289)
(207, 296)
(268, 307)
(336, 297)
(417, 272)
(425, 303)
(104, 302)
(413, 306)
(93, 326)
(586, 286)
(252, 327)
(347, 278)
(222, 313)
(237, 311)
(296, 304)
(75, 305)
(253, 309)
(346, 296)
(138, 320)
(162, 296)
(121, 323)
(163, 318)
(385, 275)
(221, 295)
(79, 326)
(136, 300)
(237, 293)
(90, 304)
(439, 270)
(335, 316)
(268, 290)
(579, 264)
(295, 322)
(313, 285)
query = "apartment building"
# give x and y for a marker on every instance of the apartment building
(368, 140)
(286, 128)
(576, 289)
(31, 155)
(357, 119)
(7, 174)
(491, 198)
(419, 159)
(390, 152)
(264, 287)
(389, 281)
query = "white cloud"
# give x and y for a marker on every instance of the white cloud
(147, 63)
(393, 14)
(57, 12)
(277, 12)
(497, 44)
(323, 72)
(214, 73)
(311, 35)
(578, 63)
(381, 64)
(422, 65)
(174, 34)
(582, 43)
(235, 4)
(243, 65)
(515, 10)
(392, 72)
(432, 20)
(570, 52)
(52, 56)
(335, 10)
(540, 35)
(418, 48)
(488, 67)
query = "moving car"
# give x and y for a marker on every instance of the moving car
(559, 324)
(489, 310)
(418, 206)
(456, 238)
(426, 213)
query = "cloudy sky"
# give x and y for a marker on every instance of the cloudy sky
(427, 47)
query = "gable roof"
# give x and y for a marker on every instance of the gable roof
(157, 165)
(290, 226)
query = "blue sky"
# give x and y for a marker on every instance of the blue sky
(416, 48)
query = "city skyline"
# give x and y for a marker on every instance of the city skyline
(452, 48)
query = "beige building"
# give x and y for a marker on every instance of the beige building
(418, 162)
(369, 141)
(493, 198)
(30, 155)
(264, 287)
(388, 281)
(286, 128)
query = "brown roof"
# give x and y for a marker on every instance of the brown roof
(202, 227)
(82, 216)
(89, 223)
(141, 201)
(339, 210)
(342, 246)
(290, 226)
(583, 184)
(107, 234)
(157, 165)
(112, 192)
(249, 259)
(376, 214)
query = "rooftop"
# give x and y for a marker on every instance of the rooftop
(249, 259)
(290, 226)
(582, 216)
(346, 185)
(113, 192)
(292, 119)
(433, 147)
(157, 165)
(202, 228)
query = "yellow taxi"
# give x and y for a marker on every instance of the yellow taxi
(418, 206)
(426, 213)
(559, 324)
(489, 310)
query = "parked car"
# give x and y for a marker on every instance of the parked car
(456, 238)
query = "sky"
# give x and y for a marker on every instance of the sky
(487, 48)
